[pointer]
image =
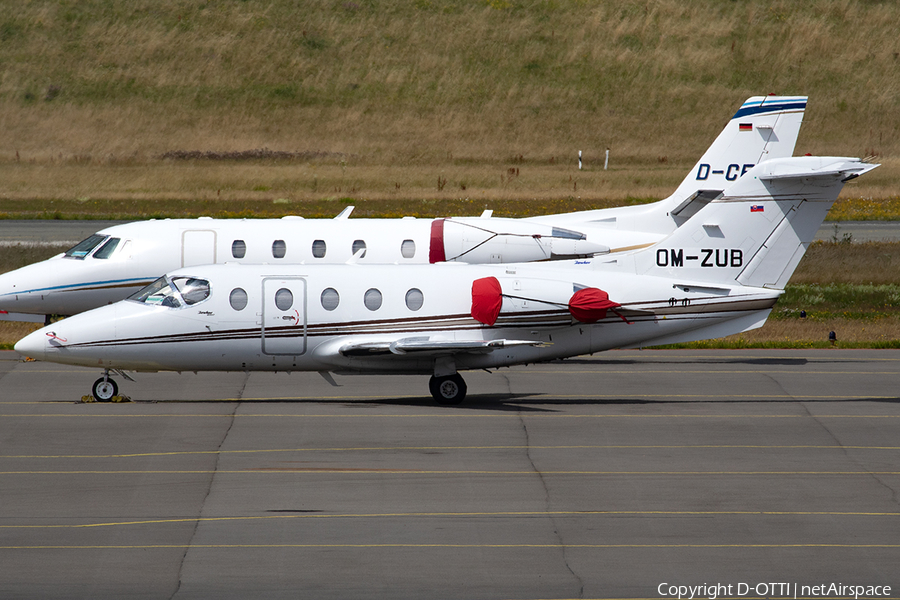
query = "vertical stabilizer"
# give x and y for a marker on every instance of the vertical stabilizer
(756, 232)
(763, 128)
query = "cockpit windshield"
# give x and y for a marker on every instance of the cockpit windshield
(83, 248)
(107, 249)
(173, 292)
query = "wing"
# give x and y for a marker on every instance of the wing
(424, 346)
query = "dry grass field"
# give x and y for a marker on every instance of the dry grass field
(434, 99)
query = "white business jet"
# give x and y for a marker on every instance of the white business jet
(720, 273)
(116, 261)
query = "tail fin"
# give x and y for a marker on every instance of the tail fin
(756, 232)
(763, 128)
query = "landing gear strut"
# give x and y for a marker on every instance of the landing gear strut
(105, 388)
(448, 390)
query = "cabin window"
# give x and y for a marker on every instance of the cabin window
(408, 249)
(192, 290)
(359, 245)
(238, 248)
(567, 233)
(330, 299)
(107, 249)
(414, 299)
(284, 299)
(372, 299)
(279, 248)
(318, 248)
(83, 248)
(238, 299)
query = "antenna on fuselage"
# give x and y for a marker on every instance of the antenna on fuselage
(345, 214)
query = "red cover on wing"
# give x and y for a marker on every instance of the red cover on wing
(589, 305)
(486, 300)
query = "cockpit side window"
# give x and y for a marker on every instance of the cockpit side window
(159, 293)
(192, 290)
(107, 249)
(174, 292)
(83, 248)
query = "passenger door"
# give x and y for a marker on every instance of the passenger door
(284, 315)
(198, 247)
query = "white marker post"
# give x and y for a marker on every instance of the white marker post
(606, 162)
(579, 160)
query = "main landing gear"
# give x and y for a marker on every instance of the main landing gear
(448, 390)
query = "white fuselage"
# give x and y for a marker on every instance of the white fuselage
(69, 284)
(333, 319)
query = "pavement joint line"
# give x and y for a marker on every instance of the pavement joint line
(417, 448)
(576, 513)
(356, 470)
(409, 545)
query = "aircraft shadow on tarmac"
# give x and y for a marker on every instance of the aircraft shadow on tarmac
(537, 403)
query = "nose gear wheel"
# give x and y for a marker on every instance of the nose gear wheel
(104, 389)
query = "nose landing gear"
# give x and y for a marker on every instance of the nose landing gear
(104, 388)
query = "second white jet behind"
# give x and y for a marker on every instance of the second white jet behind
(116, 261)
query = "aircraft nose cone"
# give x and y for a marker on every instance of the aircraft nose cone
(33, 345)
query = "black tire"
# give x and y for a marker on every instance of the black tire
(104, 389)
(449, 390)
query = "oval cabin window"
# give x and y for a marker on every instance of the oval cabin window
(372, 299)
(414, 299)
(408, 249)
(359, 245)
(330, 299)
(238, 299)
(238, 249)
(318, 248)
(284, 299)
(279, 248)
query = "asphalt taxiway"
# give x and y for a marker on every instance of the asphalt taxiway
(597, 477)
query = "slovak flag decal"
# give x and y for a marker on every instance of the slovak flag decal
(757, 208)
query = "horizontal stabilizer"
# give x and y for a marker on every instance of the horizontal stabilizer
(695, 202)
(841, 169)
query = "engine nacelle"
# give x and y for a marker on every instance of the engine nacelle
(480, 240)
